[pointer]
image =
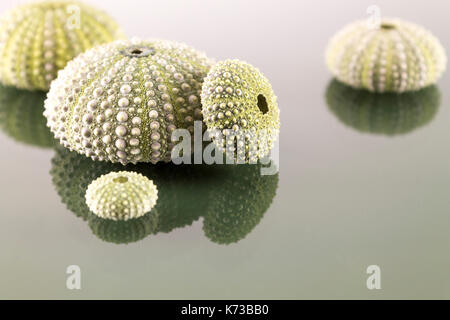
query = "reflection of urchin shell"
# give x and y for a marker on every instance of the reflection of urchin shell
(382, 113)
(21, 117)
(38, 39)
(121, 101)
(181, 189)
(121, 195)
(239, 102)
(395, 56)
(239, 204)
(124, 231)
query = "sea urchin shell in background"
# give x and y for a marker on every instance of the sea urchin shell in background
(39, 38)
(394, 56)
(239, 102)
(121, 195)
(121, 101)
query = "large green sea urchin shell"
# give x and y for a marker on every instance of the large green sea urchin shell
(121, 195)
(383, 113)
(239, 102)
(21, 117)
(238, 202)
(39, 38)
(121, 101)
(395, 56)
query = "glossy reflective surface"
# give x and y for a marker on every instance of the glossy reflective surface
(364, 180)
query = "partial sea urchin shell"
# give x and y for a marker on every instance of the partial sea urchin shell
(395, 56)
(39, 38)
(383, 113)
(239, 102)
(121, 195)
(122, 101)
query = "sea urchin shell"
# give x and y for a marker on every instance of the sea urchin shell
(121, 195)
(121, 101)
(239, 101)
(39, 38)
(395, 56)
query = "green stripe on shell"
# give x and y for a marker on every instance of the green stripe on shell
(382, 113)
(121, 195)
(121, 101)
(239, 102)
(39, 38)
(395, 56)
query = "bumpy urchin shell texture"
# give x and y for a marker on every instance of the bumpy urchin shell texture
(239, 203)
(395, 56)
(121, 101)
(21, 117)
(383, 113)
(39, 38)
(121, 195)
(239, 103)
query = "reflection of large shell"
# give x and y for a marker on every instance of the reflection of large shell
(39, 38)
(231, 198)
(239, 202)
(395, 56)
(21, 117)
(122, 101)
(382, 113)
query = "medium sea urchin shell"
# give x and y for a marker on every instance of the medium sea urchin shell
(395, 56)
(239, 101)
(39, 38)
(121, 195)
(121, 101)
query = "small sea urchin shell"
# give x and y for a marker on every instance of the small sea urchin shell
(395, 56)
(121, 101)
(382, 113)
(239, 102)
(121, 195)
(39, 38)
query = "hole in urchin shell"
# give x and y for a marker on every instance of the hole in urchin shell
(138, 52)
(120, 180)
(387, 26)
(262, 104)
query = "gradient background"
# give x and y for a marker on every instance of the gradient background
(346, 200)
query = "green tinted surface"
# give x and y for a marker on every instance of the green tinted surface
(363, 180)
